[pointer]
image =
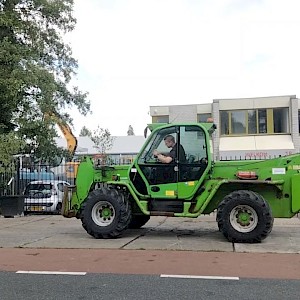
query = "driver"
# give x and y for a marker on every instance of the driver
(172, 155)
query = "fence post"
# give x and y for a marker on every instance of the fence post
(17, 185)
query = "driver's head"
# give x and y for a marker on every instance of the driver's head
(169, 140)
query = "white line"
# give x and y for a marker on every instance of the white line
(51, 273)
(199, 277)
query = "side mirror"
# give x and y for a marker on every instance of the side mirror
(146, 131)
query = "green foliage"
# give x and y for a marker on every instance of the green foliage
(10, 145)
(36, 70)
(101, 137)
(85, 132)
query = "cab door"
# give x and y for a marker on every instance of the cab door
(183, 176)
(191, 172)
(162, 178)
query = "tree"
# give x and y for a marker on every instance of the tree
(130, 130)
(85, 132)
(36, 70)
(9, 145)
(102, 139)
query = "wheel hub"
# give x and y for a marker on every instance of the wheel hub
(243, 218)
(103, 213)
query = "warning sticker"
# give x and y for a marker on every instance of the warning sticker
(170, 193)
(278, 171)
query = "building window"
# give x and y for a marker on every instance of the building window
(224, 118)
(252, 121)
(255, 121)
(160, 119)
(280, 117)
(238, 122)
(202, 118)
(262, 120)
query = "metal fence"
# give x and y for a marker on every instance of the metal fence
(252, 157)
(42, 186)
(15, 177)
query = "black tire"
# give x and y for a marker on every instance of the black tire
(137, 221)
(244, 217)
(105, 213)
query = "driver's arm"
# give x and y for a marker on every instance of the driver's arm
(162, 158)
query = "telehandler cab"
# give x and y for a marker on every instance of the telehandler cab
(246, 194)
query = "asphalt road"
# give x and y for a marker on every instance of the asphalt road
(147, 287)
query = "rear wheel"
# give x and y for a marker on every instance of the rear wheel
(137, 221)
(244, 217)
(105, 213)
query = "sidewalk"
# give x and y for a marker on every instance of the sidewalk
(160, 233)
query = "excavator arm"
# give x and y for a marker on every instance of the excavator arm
(66, 131)
(69, 136)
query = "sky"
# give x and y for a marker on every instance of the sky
(133, 54)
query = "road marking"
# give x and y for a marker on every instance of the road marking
(51, 273)
(199, 277)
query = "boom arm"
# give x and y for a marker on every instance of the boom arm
(66, 131)
(69, 136)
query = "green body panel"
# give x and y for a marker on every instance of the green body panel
(296, 193)
(89, 175)
(274, 181)
(186, 190)
(277, 180)
(167, 191)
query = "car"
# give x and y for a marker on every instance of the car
(44, 196)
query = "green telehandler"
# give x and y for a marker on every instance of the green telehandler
(246, 194)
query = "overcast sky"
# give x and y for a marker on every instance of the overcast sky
(134, 54)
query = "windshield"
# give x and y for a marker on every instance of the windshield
(156, 142)
(38, 190)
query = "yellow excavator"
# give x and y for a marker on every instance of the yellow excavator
(66, 131)
(70, 166)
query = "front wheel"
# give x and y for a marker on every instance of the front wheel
(244, 217)
(106, 213)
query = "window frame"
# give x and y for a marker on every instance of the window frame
(159, 119)
(204, 115)
(269, 124)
